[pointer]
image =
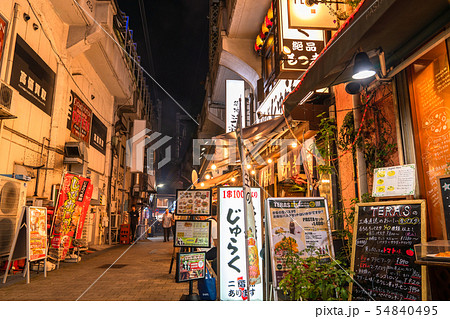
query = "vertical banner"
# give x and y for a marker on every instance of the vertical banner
(37, 233)
(254, 274)
(235, 90)
(232, 257)
(74, 199)
(3, 26)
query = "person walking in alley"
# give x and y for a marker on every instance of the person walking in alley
(134, 219)
(167, 224)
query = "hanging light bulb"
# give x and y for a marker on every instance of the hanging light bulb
(202, 184)
(269, 160)
(249, 166)
(213, 166)
(207, 176)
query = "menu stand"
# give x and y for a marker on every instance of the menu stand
(191, 296)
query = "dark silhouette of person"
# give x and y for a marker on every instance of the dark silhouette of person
(134, 219)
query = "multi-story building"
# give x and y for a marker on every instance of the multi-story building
(71, 88)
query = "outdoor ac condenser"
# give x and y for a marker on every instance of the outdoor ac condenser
(13, 195)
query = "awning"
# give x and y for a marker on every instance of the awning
(398, 27)
(219, 180)
(256, 131)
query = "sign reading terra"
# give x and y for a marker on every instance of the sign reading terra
(32, 77)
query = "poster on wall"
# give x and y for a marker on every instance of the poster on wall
(193, 202)
(73, 202)
(192, 233)
(79, 121)
(232, 263)
(394, 181)
(37, 233)
(32, 77)
(190, 266)
(300, 225)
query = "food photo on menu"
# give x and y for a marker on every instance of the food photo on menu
(193, 202)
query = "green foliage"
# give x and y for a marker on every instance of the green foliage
(314, 278)
(345, 234)
(324, 141)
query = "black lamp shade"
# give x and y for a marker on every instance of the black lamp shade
(362, 68)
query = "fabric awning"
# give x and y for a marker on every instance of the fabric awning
(398, 27)
(217, 181)
(256, 131)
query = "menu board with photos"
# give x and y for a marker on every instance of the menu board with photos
(383, 255)
(394, 181)
(192, 233)
(444, 188)
(37, 233)
(194, 202)
(297, 224)
(191, 266)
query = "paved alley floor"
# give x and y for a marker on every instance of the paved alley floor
(142, 273)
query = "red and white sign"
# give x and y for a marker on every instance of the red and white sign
(74, 199)
(233, 267)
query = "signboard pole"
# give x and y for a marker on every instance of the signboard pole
(251, 246)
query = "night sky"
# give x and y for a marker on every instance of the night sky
(178, 40)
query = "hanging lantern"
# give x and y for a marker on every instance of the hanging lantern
(265, 30)
(268, 22)
(270, 14)
(259, 43)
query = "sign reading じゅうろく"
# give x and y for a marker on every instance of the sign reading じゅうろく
(233, 267)
(383, 256)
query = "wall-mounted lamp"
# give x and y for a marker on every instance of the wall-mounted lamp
(26, 17)
(363, 68)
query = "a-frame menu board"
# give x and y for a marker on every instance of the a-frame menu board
(383, 255)
(30, 239)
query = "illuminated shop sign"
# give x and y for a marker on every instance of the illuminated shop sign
(316, 16)
(272, 106)
(299, 47)
(233, 267)
(234, 98)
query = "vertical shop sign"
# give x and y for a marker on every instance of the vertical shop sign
(98, 134)
(234, 93)
(74, 199)
(32, 77)
(3, 26)
(233, 272)
(300, 48)
(79, 122)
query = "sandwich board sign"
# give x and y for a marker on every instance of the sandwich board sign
(30, 239)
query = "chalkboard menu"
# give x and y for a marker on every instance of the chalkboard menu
(383, 261)
(444, 187)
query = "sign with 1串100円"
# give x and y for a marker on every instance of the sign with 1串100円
(233, 272)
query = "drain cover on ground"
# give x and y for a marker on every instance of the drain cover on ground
(113, 266)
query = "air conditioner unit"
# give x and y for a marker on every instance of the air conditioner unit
(6, 93)
(13, 195)
(74, 152)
